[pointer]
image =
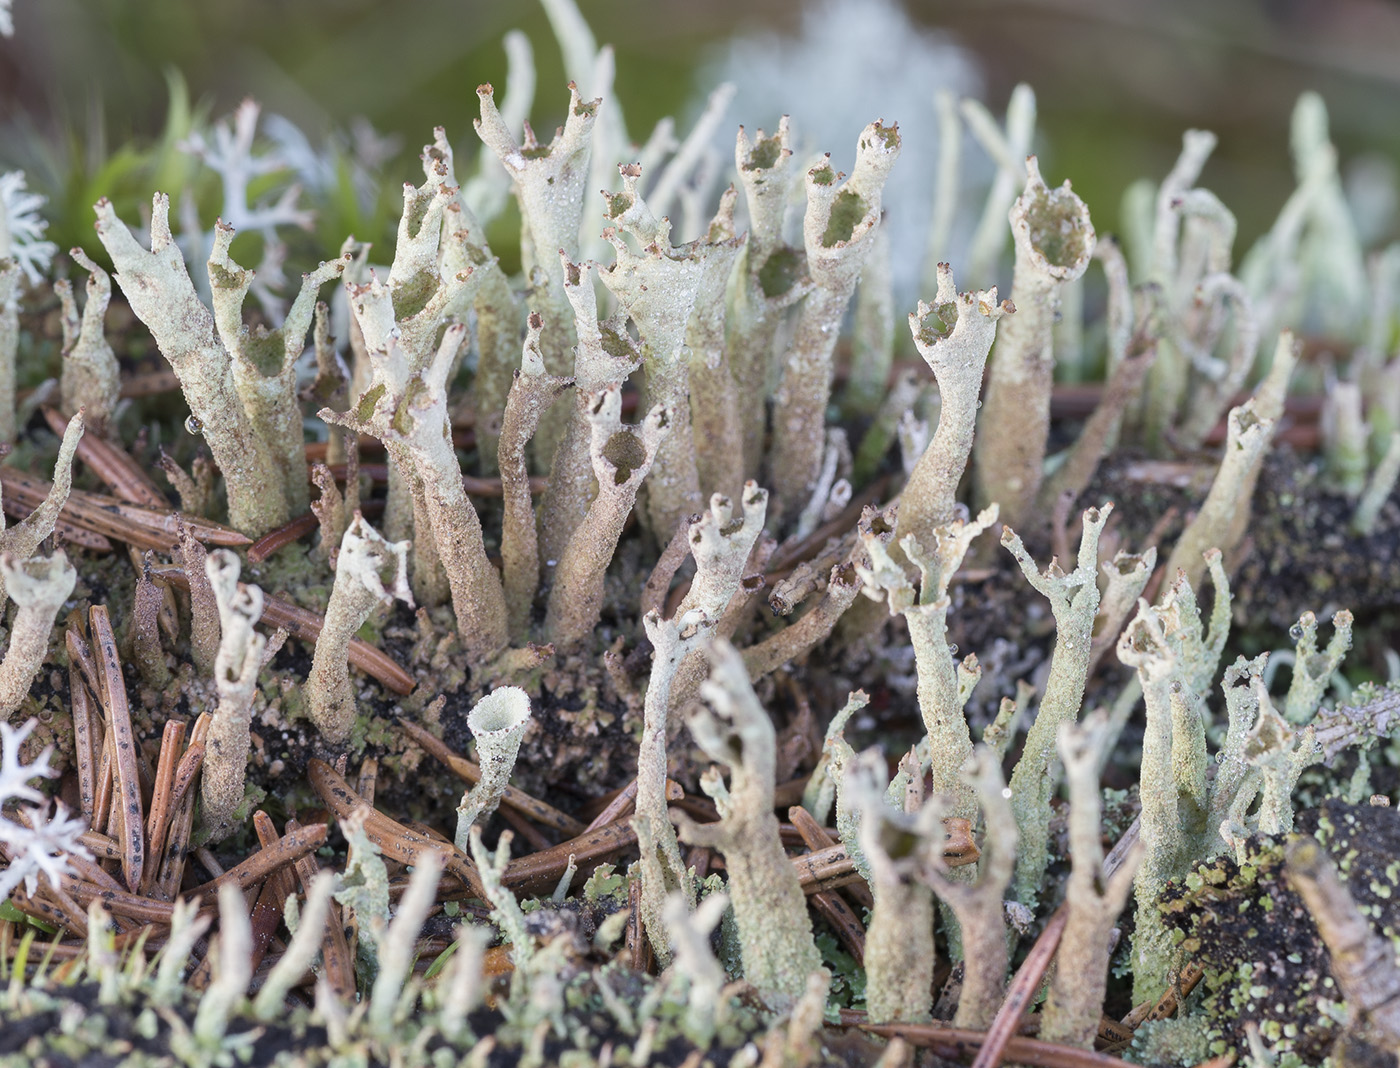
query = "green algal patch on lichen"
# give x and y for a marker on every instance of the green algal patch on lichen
(780, 272)
(850, 208)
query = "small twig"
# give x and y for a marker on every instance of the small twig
(953, 1042)
(393, 838)
(284, 535)
(830, 904)
(172, 865)
(618, 807)
(539, 871)
(142, 527)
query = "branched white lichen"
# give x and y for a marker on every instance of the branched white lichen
(1074, 601)
(953, 335)
(770, 908)
(369, 572)
(41, 843)
(22, 227)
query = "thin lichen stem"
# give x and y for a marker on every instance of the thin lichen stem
(1054, 241)
(953, 335)
(369, 572)
(770, 909)
(531, 395)
(838, 232)
(1074, 601)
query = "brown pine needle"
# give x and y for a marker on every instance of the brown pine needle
(124, 752)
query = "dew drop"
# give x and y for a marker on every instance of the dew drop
(1296, 632)
(193, 425)
(952, 649)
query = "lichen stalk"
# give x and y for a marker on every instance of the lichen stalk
(978, 906)
(768, 279)
(498, 723)
(162, 295)
(39, 585)
(720, 543)
(605, 357)
(1054, 240)
(838, 233)
(264, 361)
(944, 684)
(236, 677)
(414, 424)
(662, 869)
(91, 377)
(769, 907)
(369, 572)
(657, 288)
(953, 335)
(1074, 1004)
(715, 403)
(621, 459)
(1247, 440)
(899, 947)
(531, 394)
(23, 539)
(1074, 602)
(10, 281)
(549, 183)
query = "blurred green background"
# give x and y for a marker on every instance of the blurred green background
(1117, 80)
